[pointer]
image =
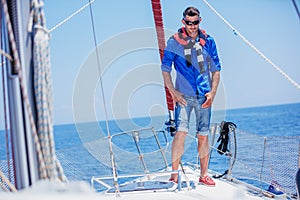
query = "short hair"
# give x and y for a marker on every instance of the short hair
(191, 11)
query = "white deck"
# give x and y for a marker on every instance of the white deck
(222, 190)
(74, 191)
(81, 190)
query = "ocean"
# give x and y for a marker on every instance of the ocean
(267, 134)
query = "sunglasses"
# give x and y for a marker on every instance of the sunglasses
(190, 23)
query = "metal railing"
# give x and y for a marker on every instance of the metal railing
(135, 134)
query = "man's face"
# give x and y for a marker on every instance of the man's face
(191, 24)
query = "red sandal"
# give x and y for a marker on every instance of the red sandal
(206, 180)
(173, 180)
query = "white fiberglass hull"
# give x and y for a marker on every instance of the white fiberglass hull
(78, 190)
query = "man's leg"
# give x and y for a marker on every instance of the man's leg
(203, 151)
(182, 115)
(177, 151)
(202, 125)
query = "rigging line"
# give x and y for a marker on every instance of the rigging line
(6, 55)
(236, 32)
(114, 170)
(99, 71)
(296, 8)
(71, 16)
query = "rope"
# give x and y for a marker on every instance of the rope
(43, 91)
(7, 182)
(253, 47)
(159, 26)
(71, 16)
(18, 71)
(6, 55)
(17, 67)
(112, 158)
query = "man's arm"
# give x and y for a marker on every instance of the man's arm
(176, 96)
(210, 96)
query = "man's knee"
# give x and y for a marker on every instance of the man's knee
(202, 138)
(180, 135)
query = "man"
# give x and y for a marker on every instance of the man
(197, 66)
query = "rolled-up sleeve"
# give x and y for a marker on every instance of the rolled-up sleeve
(167, 61)
(215, 64)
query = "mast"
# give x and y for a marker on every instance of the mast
(24, 153)
(159, 26)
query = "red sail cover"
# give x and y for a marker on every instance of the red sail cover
(157, 13)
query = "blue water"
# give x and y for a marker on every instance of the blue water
(279, 120)
(79, 146)
(269, 121)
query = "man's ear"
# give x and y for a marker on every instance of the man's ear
(183, 22)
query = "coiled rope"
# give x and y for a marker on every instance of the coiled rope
(43, 90)
(17, 69)
(236, 32)
(48, 165)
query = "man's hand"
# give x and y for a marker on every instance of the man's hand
(178, 97)
(209, 99)
(211, 95)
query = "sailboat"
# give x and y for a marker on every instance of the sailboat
(36, 168)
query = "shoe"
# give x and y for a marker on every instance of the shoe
(173, 180)
(206, 180)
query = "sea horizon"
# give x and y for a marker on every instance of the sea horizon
(219, 110)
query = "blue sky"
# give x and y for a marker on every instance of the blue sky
(132, 81)
(247, 80)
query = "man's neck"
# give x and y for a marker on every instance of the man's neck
(193, 37)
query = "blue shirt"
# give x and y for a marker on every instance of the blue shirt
(189, 81)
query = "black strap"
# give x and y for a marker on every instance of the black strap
(224, 137)
(220, 175)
